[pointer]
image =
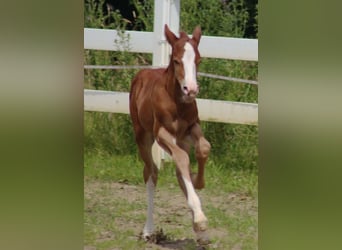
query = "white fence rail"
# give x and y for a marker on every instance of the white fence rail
(145, 42)
(208, 110)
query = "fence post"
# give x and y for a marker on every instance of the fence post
(165, 12)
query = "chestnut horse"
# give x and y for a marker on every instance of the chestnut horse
(163, 108)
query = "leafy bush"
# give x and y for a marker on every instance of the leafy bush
(233, 145)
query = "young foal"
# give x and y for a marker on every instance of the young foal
(163, 108)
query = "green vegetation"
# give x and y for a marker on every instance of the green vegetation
(233, 145)
(115, 200)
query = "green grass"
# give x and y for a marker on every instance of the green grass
(115, 205)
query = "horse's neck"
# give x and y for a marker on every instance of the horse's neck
(172, 86)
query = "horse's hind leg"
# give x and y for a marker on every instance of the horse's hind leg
(202, 149)
(145, 141)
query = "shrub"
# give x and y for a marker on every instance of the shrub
(233, 145)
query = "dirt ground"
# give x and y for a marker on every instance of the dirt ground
(171, 215)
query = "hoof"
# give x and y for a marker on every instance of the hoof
(202, 238)
(200, 226)
(201, 233)
(148, 237)
(198, 184)
(155, 237)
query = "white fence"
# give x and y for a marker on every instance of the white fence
(167, 12)
(146, 42)
(208, 110)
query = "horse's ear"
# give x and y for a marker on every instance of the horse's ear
(170, 37)
(196, 35)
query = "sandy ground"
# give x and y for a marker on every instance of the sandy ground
(171, 211)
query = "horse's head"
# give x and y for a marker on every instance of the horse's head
(185, 59)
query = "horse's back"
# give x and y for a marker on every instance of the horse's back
(144, 82)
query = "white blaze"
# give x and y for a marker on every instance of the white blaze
(188, 60)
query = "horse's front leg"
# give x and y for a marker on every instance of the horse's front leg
(202, 149)
(150, 173)
(181, 158)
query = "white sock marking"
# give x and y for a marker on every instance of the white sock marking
(193, 201)
(149, 225)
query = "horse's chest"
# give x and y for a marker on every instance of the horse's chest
(188, 114)
(184, 123)
(182, 128)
